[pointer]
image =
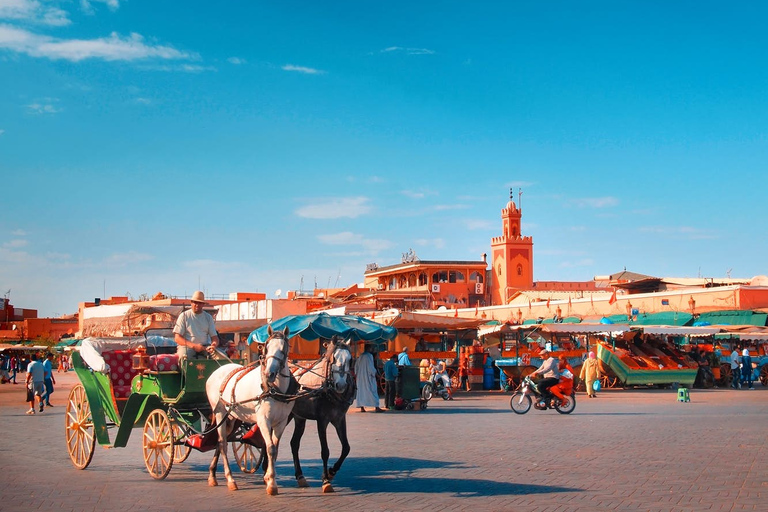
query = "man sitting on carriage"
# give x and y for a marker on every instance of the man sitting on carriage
(194, 332)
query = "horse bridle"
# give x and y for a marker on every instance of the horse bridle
(283, 360)
(331, 360)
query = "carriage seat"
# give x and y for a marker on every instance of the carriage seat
(121, 371)
(164, 363)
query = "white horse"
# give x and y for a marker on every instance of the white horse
(255, 396)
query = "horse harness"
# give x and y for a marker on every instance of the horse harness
(326, 387)
(268, 389)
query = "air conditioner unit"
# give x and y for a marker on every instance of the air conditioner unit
(435, 288)
(479, 288)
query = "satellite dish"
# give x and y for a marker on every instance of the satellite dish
(278, 293)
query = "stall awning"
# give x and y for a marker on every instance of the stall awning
(671, 330)
(405, 320)
(734, 317)
(502, 328)
(584, 328)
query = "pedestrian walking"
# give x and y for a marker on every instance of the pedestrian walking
(590, 372)
(48, 378)
(35, 381)
(735, 368)
(365, 378)
(746, 368)
(403, 359)
(464, 376)
(390, 377)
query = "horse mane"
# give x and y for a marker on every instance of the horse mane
(315, 375)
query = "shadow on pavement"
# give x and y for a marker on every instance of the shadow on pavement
(395, 475)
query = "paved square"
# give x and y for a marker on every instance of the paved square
(625, 450)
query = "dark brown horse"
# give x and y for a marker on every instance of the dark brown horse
(327, 390)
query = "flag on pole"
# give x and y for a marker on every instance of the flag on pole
(613, 297)
(456, 313)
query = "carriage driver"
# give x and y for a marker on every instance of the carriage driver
(194, 331)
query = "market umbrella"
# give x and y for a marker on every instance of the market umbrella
(323, 325)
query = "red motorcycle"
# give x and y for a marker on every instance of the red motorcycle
(562, 399)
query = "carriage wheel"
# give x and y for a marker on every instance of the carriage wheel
(158, 444)
(80, 432)
(764, 375)
(454, 376)
(180, 450)
(248, 457)
(726, 375)
(609, 381)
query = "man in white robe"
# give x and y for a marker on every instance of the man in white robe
(365, 377)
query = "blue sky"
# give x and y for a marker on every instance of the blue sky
(240, 146)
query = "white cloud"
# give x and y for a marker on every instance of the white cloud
(46, 107)
(143, 101)
(127, 258)
(302, 69)
(236, 61)
(19, 232)
(595, 202)
(2, 132)
(15, 244)
(479, 224)
(350, 207)
(413, 194)
(443, 207)
(587, 262)
(112, 48)
(436, 243)
(679, 231)
(372, 245)
(408, 51)
(87, 8)
(34, 12)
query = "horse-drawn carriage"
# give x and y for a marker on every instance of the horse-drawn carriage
(137, 382)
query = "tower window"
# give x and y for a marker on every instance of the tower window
(519, 270)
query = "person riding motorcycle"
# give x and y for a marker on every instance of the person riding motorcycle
(549, 373)
(437, 370)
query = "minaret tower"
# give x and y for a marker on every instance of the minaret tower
(511, 257)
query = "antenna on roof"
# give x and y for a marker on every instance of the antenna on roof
(728, 273)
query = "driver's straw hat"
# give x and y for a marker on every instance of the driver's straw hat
(198, 296)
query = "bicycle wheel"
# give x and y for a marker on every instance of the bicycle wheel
(520, 403)
(566, 405)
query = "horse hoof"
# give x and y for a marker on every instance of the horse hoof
(327, 488)
(232, 486)
(272, 491)
(302, 482)
(212, 482)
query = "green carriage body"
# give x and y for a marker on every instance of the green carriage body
(182, 390)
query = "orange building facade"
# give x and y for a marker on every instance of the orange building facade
(416, 284)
